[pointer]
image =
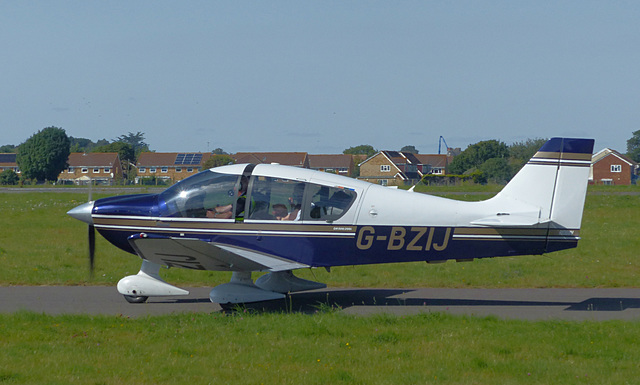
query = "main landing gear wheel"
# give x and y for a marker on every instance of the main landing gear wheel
(136, 299)
(230, 306)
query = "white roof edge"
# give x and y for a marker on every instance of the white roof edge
(597, 157)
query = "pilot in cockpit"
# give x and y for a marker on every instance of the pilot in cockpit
(224, 212)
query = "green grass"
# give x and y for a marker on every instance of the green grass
(325, 348)
(41, 245)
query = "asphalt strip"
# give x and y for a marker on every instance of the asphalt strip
(525, 304)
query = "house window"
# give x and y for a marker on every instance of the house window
(85, 170)
(96, 170)
(607, 182)
(164, 169)
(178, 169)
(385, 168)
(384, 182)
(437, 171)
(616, 168)
(152, 170)
(143, 169)
(70, 170)
(107, 169)
(189, 169)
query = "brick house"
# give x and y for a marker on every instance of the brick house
(99, 167)
(169, 167)
(296, 159)
(8, 162)
(340, 164)
(435, 164)
(391, 168)
(609, 167)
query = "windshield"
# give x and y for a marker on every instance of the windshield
(200, 196)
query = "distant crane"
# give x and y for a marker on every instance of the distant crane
(440, 141)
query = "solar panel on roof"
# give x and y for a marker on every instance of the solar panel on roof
(7, 158)
(188, 159)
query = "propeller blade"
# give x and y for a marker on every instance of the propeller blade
(91, 237)
(92, 248)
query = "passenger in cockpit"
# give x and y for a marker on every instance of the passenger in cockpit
(280, 211)
(294, 215)
(295, 202)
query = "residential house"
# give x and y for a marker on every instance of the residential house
(98, 167)
(296, 159)
(391, 168)
(8, 162)
(435, 164)
(610, 167)
(169, 167)
(340, 164)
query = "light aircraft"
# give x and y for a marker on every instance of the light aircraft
(271, 218)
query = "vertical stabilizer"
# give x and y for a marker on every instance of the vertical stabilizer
(555, 181)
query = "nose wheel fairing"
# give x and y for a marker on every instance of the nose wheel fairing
(147, 283)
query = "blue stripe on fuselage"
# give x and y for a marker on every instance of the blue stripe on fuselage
(369, 244)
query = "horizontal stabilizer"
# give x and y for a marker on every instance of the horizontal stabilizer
(510, 220)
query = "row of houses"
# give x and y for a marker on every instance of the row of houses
(388, 168)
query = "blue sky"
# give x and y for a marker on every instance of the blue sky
(321, 76)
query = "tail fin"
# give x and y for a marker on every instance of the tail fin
(554, 180)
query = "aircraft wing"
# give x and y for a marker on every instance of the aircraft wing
(193, 253)
(510, 220)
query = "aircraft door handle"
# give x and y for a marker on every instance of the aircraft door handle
(373, 213)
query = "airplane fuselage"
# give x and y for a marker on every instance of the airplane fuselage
(246, 218)
(381, 225)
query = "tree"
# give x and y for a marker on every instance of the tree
(633, 146)
(44, 155)
(84, 144)
(526, 149)
(411, 149)
(124, 150)
(363, 149)
(217, 161)
(9, 177)
(219, 151)
(8, 148)
(476, 154)
(496, 170)
(136, 141)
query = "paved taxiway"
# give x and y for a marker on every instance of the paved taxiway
(529, 304)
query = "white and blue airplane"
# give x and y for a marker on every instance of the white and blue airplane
(270, 218)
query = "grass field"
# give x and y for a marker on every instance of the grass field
(326, 348)
(40, 245)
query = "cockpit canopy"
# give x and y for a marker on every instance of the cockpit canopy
(253, 197)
